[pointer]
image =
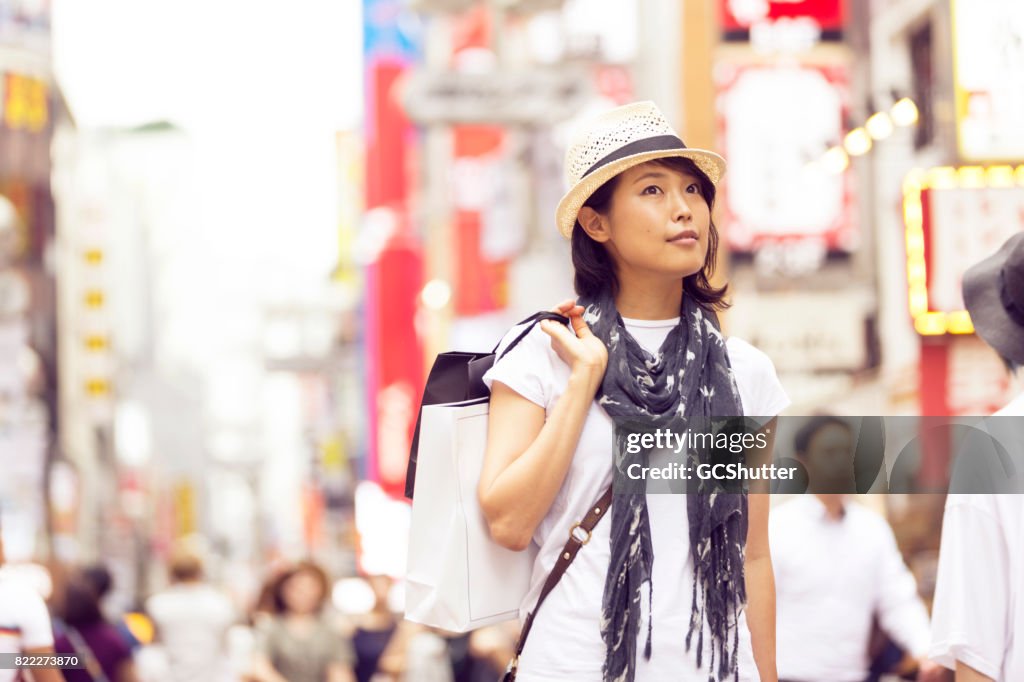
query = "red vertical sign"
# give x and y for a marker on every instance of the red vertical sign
(480, 280)
(394, 351)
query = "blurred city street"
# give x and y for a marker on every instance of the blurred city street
(235, 236)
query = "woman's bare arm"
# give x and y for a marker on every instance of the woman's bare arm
(760, 578)
(965, 673)
(527, 456)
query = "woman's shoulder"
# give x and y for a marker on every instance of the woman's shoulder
(745, 356)
(528, 367)
(760, 389)
(533, 345)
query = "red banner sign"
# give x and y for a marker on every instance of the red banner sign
(738, 15)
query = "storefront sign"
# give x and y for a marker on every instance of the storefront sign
(988, 50)
(953, 218)
(775, 122)
(739, 15)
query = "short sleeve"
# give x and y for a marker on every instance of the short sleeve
(760, 390)
(528, 368)
(970, 624)
(36, 632)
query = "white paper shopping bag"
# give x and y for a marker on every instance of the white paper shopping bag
(458, 578)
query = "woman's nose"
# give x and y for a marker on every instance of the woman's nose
(682, 208)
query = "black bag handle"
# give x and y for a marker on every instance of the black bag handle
(488, 359)
(532, 320)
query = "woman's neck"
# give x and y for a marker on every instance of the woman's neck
(650, 299)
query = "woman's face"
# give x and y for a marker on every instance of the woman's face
(302, 593)
(658, 222)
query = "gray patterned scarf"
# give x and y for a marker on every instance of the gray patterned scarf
(689, 378)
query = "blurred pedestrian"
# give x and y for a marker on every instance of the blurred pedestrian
(98, 575)
(374, 630)
(668, 587)
(837, 568)
(192, 619)
(81, 629)
(491, 647)
(25, 626)
(978, 610)
(300, 643)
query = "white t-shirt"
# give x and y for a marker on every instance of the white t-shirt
(831, 577)
(565, 641)
(978, 612)
(192, 621)
(24, 621)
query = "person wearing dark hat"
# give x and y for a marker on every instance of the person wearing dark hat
(978, 612)
(669, 587)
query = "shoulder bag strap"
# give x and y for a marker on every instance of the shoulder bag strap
(532, 320)
(579, 535)
(82, 648)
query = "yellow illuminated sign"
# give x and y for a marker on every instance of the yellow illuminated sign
(97, 343)
(94, 298)
(26, 104)
(97, 388)
(929, 322)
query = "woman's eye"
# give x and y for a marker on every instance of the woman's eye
(651, 189)
(693, 188)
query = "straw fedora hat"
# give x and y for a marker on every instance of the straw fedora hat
(994, 296)
(616, 140)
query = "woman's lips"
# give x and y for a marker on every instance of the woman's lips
(684, 238)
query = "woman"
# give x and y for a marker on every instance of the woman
(669, 587)
(81, 629)
(299, 643)
(374, 630)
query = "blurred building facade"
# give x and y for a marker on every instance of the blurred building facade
(29, 104)
(211, 386)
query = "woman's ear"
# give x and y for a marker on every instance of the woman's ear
(594, 224)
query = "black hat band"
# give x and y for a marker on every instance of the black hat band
(658, 143)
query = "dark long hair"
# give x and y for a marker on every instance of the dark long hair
(595, 269)
(78, 605)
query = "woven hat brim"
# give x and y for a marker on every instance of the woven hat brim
(992, 322)
(569, 207)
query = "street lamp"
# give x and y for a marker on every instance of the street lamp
(879, 125)
(904, 112)
(857, 142)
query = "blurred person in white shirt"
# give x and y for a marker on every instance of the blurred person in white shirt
(978, 610)
(192, 620)
(837, 568)
(25, 626)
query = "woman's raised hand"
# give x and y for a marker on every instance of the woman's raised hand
(582, 351)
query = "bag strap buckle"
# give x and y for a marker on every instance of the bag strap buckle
(579, 533)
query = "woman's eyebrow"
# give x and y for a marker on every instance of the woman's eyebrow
(651, 174)
(688, 179)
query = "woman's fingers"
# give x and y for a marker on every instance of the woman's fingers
(579, 325)
(564, 306)
(558, 331)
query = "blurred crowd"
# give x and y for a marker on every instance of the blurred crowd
(293, 631)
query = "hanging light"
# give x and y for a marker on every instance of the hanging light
(904, 112)
(857, 142)
(436, 294)
(879, 125)
(835, 160)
